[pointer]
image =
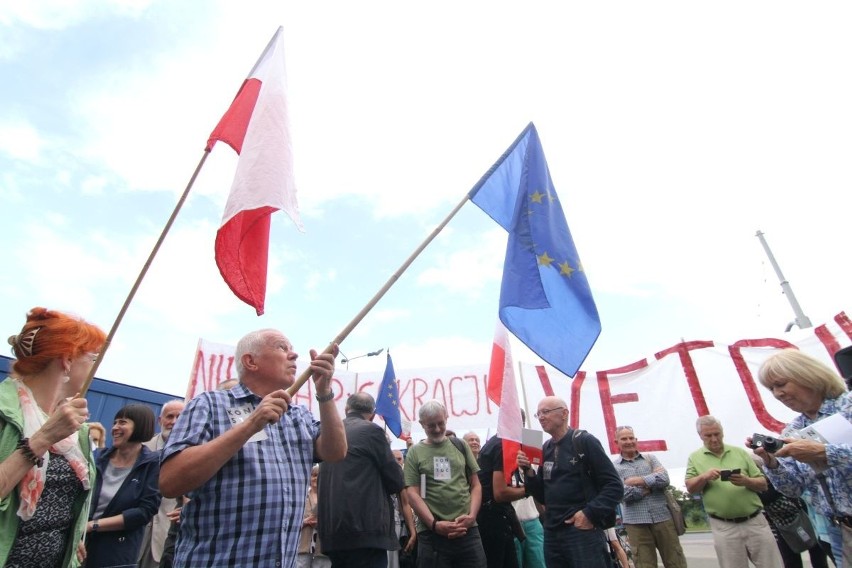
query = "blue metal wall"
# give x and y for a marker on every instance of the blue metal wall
(107, 397)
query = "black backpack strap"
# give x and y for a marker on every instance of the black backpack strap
(460, 447)
(578, 441)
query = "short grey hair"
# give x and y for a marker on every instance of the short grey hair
(430, 409)
(620, 428)
(706, 420)
(361, 402)
(250, 343)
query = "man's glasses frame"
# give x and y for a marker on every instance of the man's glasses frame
(547, 411)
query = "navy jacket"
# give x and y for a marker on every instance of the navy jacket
(354, 509)
(138, 499)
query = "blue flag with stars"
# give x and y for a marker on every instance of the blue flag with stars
(545, 298)
(387, 403)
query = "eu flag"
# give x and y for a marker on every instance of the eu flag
(387, 403)
(545, 299)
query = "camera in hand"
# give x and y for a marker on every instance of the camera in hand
(768, 443)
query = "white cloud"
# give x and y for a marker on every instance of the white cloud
(20, 140)
(10, 190)
(61, 14)
(93, 185)
(468, 270)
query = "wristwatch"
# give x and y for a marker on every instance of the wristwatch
(94, 526)
(325, 397)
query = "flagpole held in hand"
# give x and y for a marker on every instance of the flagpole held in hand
(502, 193)
(142, 274)
(300, 381)
(262, 90)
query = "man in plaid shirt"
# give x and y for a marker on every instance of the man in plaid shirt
(244, 456)
(647, 519)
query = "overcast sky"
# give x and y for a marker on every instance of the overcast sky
(673, 131)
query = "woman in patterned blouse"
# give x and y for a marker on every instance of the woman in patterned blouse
(46, 465)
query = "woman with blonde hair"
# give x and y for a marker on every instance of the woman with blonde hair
(97, 434)
(46, 464)
(823, 470)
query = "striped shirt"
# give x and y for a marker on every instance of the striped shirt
(639, 508)
(792, 477)
(250, 512)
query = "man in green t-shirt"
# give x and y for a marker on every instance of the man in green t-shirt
(729, 482)
(443, 489)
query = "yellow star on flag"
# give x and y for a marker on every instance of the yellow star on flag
(565, 268)
(545, 260)
(536, 197)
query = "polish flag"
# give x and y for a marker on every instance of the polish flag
(503, 391)
(257, 128)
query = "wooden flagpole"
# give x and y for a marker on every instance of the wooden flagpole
(528, 419)
(142, 274)
(294, 388)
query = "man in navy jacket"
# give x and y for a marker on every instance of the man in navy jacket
(356, 520)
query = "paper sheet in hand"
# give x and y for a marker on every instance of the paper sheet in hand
(835, 429)
(531, 443)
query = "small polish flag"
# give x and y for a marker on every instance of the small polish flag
(504, 392)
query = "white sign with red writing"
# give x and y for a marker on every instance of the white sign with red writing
(660, 397)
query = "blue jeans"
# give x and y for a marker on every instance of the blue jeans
(436, 551)
(570, 547)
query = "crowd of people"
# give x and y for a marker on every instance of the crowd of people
(240, 476)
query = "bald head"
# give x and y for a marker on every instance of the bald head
(553, 401)
(168, 416)
(552, 414)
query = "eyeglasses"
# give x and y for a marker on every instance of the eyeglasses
(541, 413)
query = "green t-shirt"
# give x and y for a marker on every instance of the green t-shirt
(447, 488)
(723, 498)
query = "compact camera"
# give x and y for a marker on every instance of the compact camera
(768, 443)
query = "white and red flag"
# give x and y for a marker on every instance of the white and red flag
(256, 126)
(503, 390)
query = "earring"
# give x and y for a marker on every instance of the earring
(67, 376)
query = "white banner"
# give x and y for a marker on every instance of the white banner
(660, 397)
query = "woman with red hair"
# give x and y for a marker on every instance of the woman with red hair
(46, 463)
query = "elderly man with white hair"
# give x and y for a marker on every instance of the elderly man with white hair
(243, 456)
(729, 482)
(157, 530)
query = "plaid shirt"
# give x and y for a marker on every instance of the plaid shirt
(250, 512)
(792, 477)
(642, 509)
